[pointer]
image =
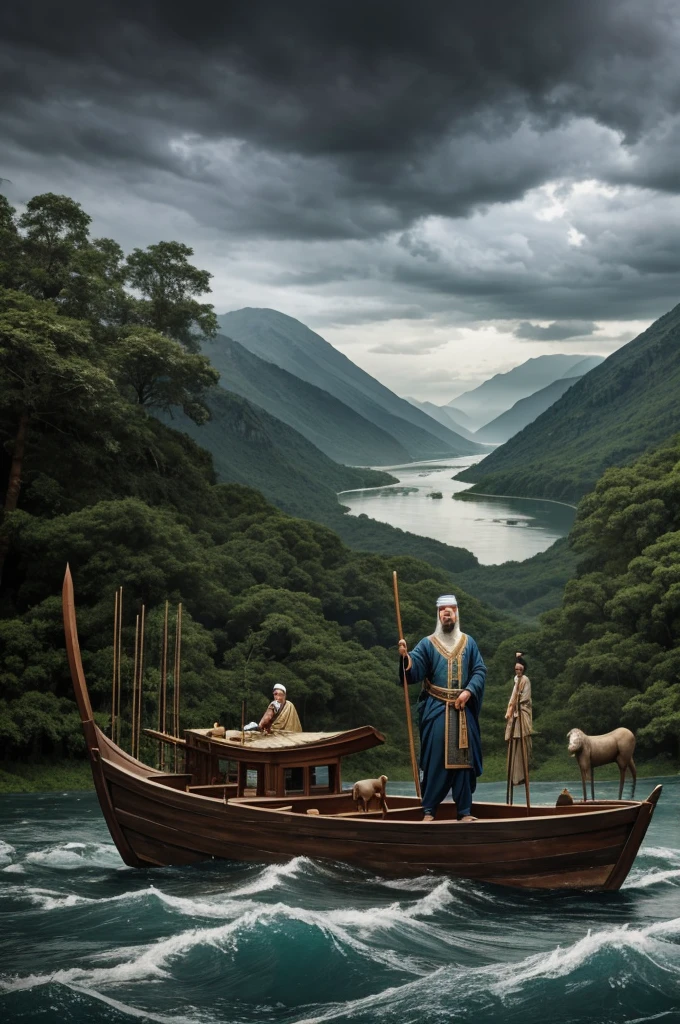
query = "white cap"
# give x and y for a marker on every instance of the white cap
(447, 599)
(279, 686)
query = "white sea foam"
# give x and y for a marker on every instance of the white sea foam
(134, 1011)
(640, 879)
(75, 856)
(7, 853)
(14, 869)
(660, 853)
(273, 876)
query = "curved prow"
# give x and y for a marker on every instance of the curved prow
(73, 649)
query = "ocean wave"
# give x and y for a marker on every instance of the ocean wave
(274, 876)
(660, 853)
(346, 928)
(75, 856)
(7, 853)
(500, 982)
(641, 879)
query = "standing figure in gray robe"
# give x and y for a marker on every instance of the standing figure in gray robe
(519, 704)
(450, 667)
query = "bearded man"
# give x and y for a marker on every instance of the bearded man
(281, 715)
(451, 669)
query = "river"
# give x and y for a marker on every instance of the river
(495, 529)
(86, 939)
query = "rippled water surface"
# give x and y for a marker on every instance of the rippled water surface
(495, 529)
(84, 938)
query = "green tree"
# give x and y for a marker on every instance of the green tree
(168, 284)
(55, 229)
(46, 368)
(157, 373)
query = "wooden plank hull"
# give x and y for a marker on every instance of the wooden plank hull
(154, 820)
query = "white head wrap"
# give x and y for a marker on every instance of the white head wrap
(279, 686)
(447, 640)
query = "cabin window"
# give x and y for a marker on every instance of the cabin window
(295, 780)
(320, 776)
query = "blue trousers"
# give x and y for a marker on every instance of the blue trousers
(437, 780)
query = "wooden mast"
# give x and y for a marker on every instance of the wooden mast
(176, 678)
(119, 641)
(163, 696)
(138, 720)
(114, 696)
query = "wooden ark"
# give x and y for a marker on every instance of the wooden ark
(294, 808)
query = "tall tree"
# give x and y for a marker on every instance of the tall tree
(55, 229)
(156, 372)
(47, 368)
(168, 282)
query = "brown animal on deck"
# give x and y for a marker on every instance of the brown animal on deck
(364, 791)
(218, 731)
(593, 751)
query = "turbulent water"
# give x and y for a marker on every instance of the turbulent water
(494, 529)
(86, 939)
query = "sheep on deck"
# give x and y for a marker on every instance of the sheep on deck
(593, 751)
(364, 791)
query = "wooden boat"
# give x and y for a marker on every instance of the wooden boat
(160, 818)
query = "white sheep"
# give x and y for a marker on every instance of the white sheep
(593, 751)
(364, 791)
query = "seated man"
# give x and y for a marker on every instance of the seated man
(280, 714)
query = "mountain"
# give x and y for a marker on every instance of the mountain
(523, 412)
(287, 343)
(621, 409)
(584, 366)
(250, 446)
(324, 420)
(497, 395)
(443, 415)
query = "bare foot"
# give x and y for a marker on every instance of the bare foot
(467, 817)
(428, 817)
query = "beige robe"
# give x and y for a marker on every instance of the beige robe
(286, 720)
(512, 727)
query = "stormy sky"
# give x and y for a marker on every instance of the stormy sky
(441, 189)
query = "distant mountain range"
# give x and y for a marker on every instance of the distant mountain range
(290, 345)
(328, 423)
(618, 410)
(498, 394)
(523, 412)
(444, 415)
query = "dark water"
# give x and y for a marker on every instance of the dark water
(85, 939)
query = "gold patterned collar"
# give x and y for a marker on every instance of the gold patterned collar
(453, 652)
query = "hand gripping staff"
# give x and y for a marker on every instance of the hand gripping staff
(409, 723)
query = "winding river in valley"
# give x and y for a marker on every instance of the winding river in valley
(495, 529)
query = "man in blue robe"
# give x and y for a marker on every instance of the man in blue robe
(447, 661)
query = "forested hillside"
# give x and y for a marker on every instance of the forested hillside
(91, 477)
(622, 408)
(610, 655)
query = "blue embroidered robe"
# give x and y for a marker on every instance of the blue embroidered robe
(465, 670)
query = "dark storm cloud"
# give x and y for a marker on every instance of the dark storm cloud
(348, 120)
(558, 331)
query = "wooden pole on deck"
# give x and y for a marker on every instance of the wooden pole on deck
(409, 723)
(176, 679)
(114, 703)
(163, 698)
(119, 642)
(140, 690)
(134, 689)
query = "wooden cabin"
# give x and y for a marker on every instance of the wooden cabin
(278, 764)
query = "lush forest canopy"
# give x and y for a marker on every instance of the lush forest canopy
(93, 344)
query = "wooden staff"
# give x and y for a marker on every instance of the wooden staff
(409, 723)
(523, 747)
(119, 642)
(115, 668)
(243, 721)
